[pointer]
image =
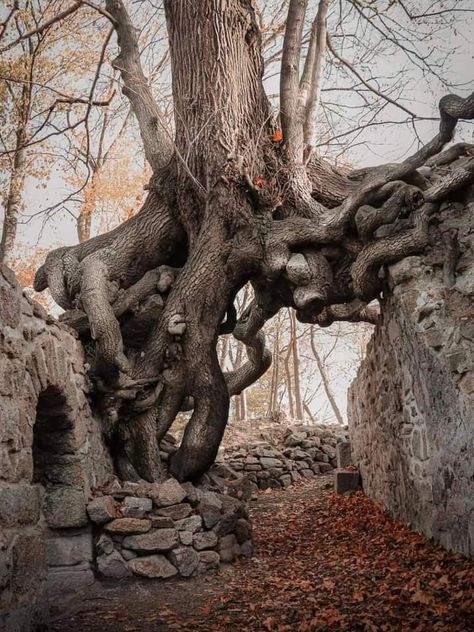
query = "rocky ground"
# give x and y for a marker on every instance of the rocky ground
(322, 562)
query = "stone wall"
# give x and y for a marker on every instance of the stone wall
(411, 407)
(169, 529)
(303, 452)
(51, 455)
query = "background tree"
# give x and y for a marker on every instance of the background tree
(238, 193)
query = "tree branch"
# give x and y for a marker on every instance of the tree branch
(289, 81)
(318, 34)
(156, 137)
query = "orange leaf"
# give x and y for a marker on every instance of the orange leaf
(277, 135)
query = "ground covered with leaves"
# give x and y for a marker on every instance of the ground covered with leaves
(322, 562)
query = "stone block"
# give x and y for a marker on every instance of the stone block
(209, 508)
(136, 507)
(185, 559)
(19, 505)
(153, 566)
(343, 454)
(102, 509)
(161, 522)
(204, 540)
(128, 526)
(113, 565)
(192, 524)
(208, 561)
(64, 507)
(104, 544)
(68, 550)
(169, 493)
(158, 540)
(346, 481)
(185, 538)
(28, 562)
(176, 512)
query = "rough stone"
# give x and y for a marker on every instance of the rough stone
(136, 507)
(204, 540)
(185, 559)
(153, 566)
(65, 507)
(346, 481)
(102, 509)
(104, 544)
(67, 550)
(169, 493)
(410, 420)
(186, 538)
(208, 561)
(176, 512)
(19, 505)
(125, 526)
(113, 565)
(161, 522)
(192, 524)
(160, 540)
(209, 508)
(343, 454)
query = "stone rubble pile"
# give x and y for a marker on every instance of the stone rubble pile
(163, 530)
(306, 451)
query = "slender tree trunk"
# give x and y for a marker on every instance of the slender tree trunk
(289, 387)
(17, 181)
(84, 221)
(326, 381)
(296, 367)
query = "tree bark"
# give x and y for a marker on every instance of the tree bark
(326, 381)
(229, 203)
(296, 367)
(17, 179)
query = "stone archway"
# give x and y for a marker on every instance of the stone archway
(51, 456)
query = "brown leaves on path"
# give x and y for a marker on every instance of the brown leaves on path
(323, 562)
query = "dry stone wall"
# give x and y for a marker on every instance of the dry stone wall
(411, 407)
(170, 529)
(51, 456)
(304, 452)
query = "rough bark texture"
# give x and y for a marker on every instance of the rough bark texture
(231, 203)
(17, 179)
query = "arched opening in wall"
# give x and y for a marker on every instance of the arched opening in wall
(53, 439)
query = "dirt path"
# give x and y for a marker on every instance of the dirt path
(322, 562)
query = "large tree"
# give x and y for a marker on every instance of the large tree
(238, 194)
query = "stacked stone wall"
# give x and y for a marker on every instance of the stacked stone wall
(167, 530)
(51, 455)
(304, 452)
(411, 407)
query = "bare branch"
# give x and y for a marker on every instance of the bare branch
(289, 81)
(318, 33)
(64, 14)
(156, 137)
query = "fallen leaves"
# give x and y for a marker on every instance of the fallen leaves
(323, 562)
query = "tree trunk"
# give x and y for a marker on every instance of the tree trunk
(17, 180)
(229, 203)
(296, 367)
(326, 381)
